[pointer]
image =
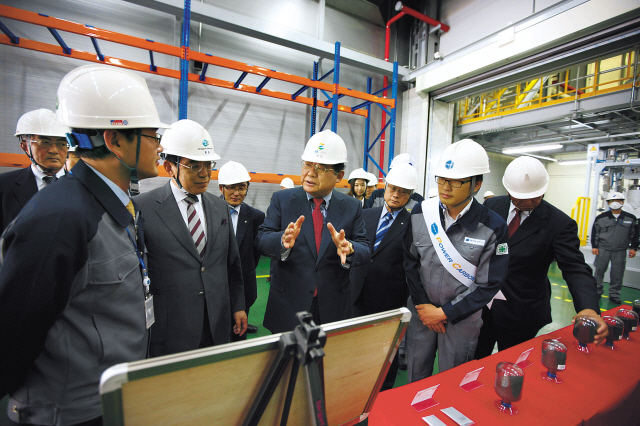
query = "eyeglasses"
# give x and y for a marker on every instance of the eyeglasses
(399, 191)
(452, 182)
(317, 167)
(242, 190)
(197, 168)
(46, 144)
(156, 139)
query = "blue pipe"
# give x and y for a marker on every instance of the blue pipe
(367, 123)
(152, 66)
(376, 164)
(237, 83)
(336, 81)
(184, 63)
(66, 49)
(204, 71)
(264, 82)
(326, 75)
(314, 108)
(325, 120)
(95, 46)
(295, 95)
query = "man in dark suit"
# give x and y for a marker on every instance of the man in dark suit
(300, 233)
(381, 285)
(539, 233)
(233, 181)
(194, 265)
(44, 141)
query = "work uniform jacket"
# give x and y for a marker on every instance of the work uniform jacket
(71, 300)
(428, 280)
(613, 234)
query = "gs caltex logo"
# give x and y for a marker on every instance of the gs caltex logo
(321, 147)
(502, 249)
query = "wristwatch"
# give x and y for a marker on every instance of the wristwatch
(351, 250)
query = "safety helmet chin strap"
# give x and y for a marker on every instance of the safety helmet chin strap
(43, 169)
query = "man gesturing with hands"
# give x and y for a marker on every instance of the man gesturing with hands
(315, 235)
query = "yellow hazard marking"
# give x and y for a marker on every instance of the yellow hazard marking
(626, 301)
(568, 300)
(563, 286)
(557, 297)
(554, 284)
(262, 276)
(605, 296)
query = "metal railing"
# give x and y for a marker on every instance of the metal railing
(558, 87)
(580, 213)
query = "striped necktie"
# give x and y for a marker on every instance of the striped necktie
(49, 179)
(195, 225)
(384, 227)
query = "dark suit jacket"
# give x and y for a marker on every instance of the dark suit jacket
(547, 235)
(381, 284)
(249, 220)
(16, 189)
(293, 281)
(181, 281)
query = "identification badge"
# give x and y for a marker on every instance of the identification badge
(474, 241)
(148, 311)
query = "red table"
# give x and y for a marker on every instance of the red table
(600, 388)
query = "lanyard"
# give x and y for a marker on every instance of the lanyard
(145, 280)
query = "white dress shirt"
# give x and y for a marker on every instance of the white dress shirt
(180, 196)
(234, 216)
(39, 175)
(512, 213)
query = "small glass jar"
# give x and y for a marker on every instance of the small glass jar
(616, 329)
(584, 329)
(630, 320)
(554, 357)
(508, 385)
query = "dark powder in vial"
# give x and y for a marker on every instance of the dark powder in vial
(636, 308)
(509, 388)
(554, 360)
(585, 332)
(629, 323)
(615, 333)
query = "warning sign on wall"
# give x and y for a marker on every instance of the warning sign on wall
(592, 149)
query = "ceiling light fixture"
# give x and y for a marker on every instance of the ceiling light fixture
(572, 162)
(531, 148)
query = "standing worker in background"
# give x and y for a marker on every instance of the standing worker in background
(377, 197)
(233, 182)
(314, 234)
(74, 297)
(196, 276)
(613, 233)
(72, 158)
(488, 194)
(371, 186)
(287, 183)
(358, 180)
(456, 258)
(44, 141)
(380, 284)
(539, 233)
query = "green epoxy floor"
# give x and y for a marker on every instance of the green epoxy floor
(562, 312)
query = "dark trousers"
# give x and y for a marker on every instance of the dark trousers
(234, 337)
(490, 333)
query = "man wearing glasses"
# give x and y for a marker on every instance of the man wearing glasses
(380, 285)
(455, 258)
(314, 234)
(194, 265)
(44, 141)
(233, 182)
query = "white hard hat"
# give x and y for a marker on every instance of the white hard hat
(463, 159)
(614, 196)
(359, 174)
(525, 177)
(188, 139)
(233, 172)
(41, 122)
(373, 179)
(404, 176)
(488, 194)
(287, 183)
(404, 158)
(325, 147)
(433, 192)
(106, 97)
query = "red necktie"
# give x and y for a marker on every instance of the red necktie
(514, 224)
(318, 222)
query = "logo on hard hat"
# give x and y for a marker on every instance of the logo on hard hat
(434, 228)
(119, 122)
(448, 165)
(205, 143)
(321, 146)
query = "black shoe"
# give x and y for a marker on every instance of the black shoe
(615, 300)
(402, 362)
(252, 329)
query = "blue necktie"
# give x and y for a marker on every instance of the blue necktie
(384, 227)
(234, 221)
